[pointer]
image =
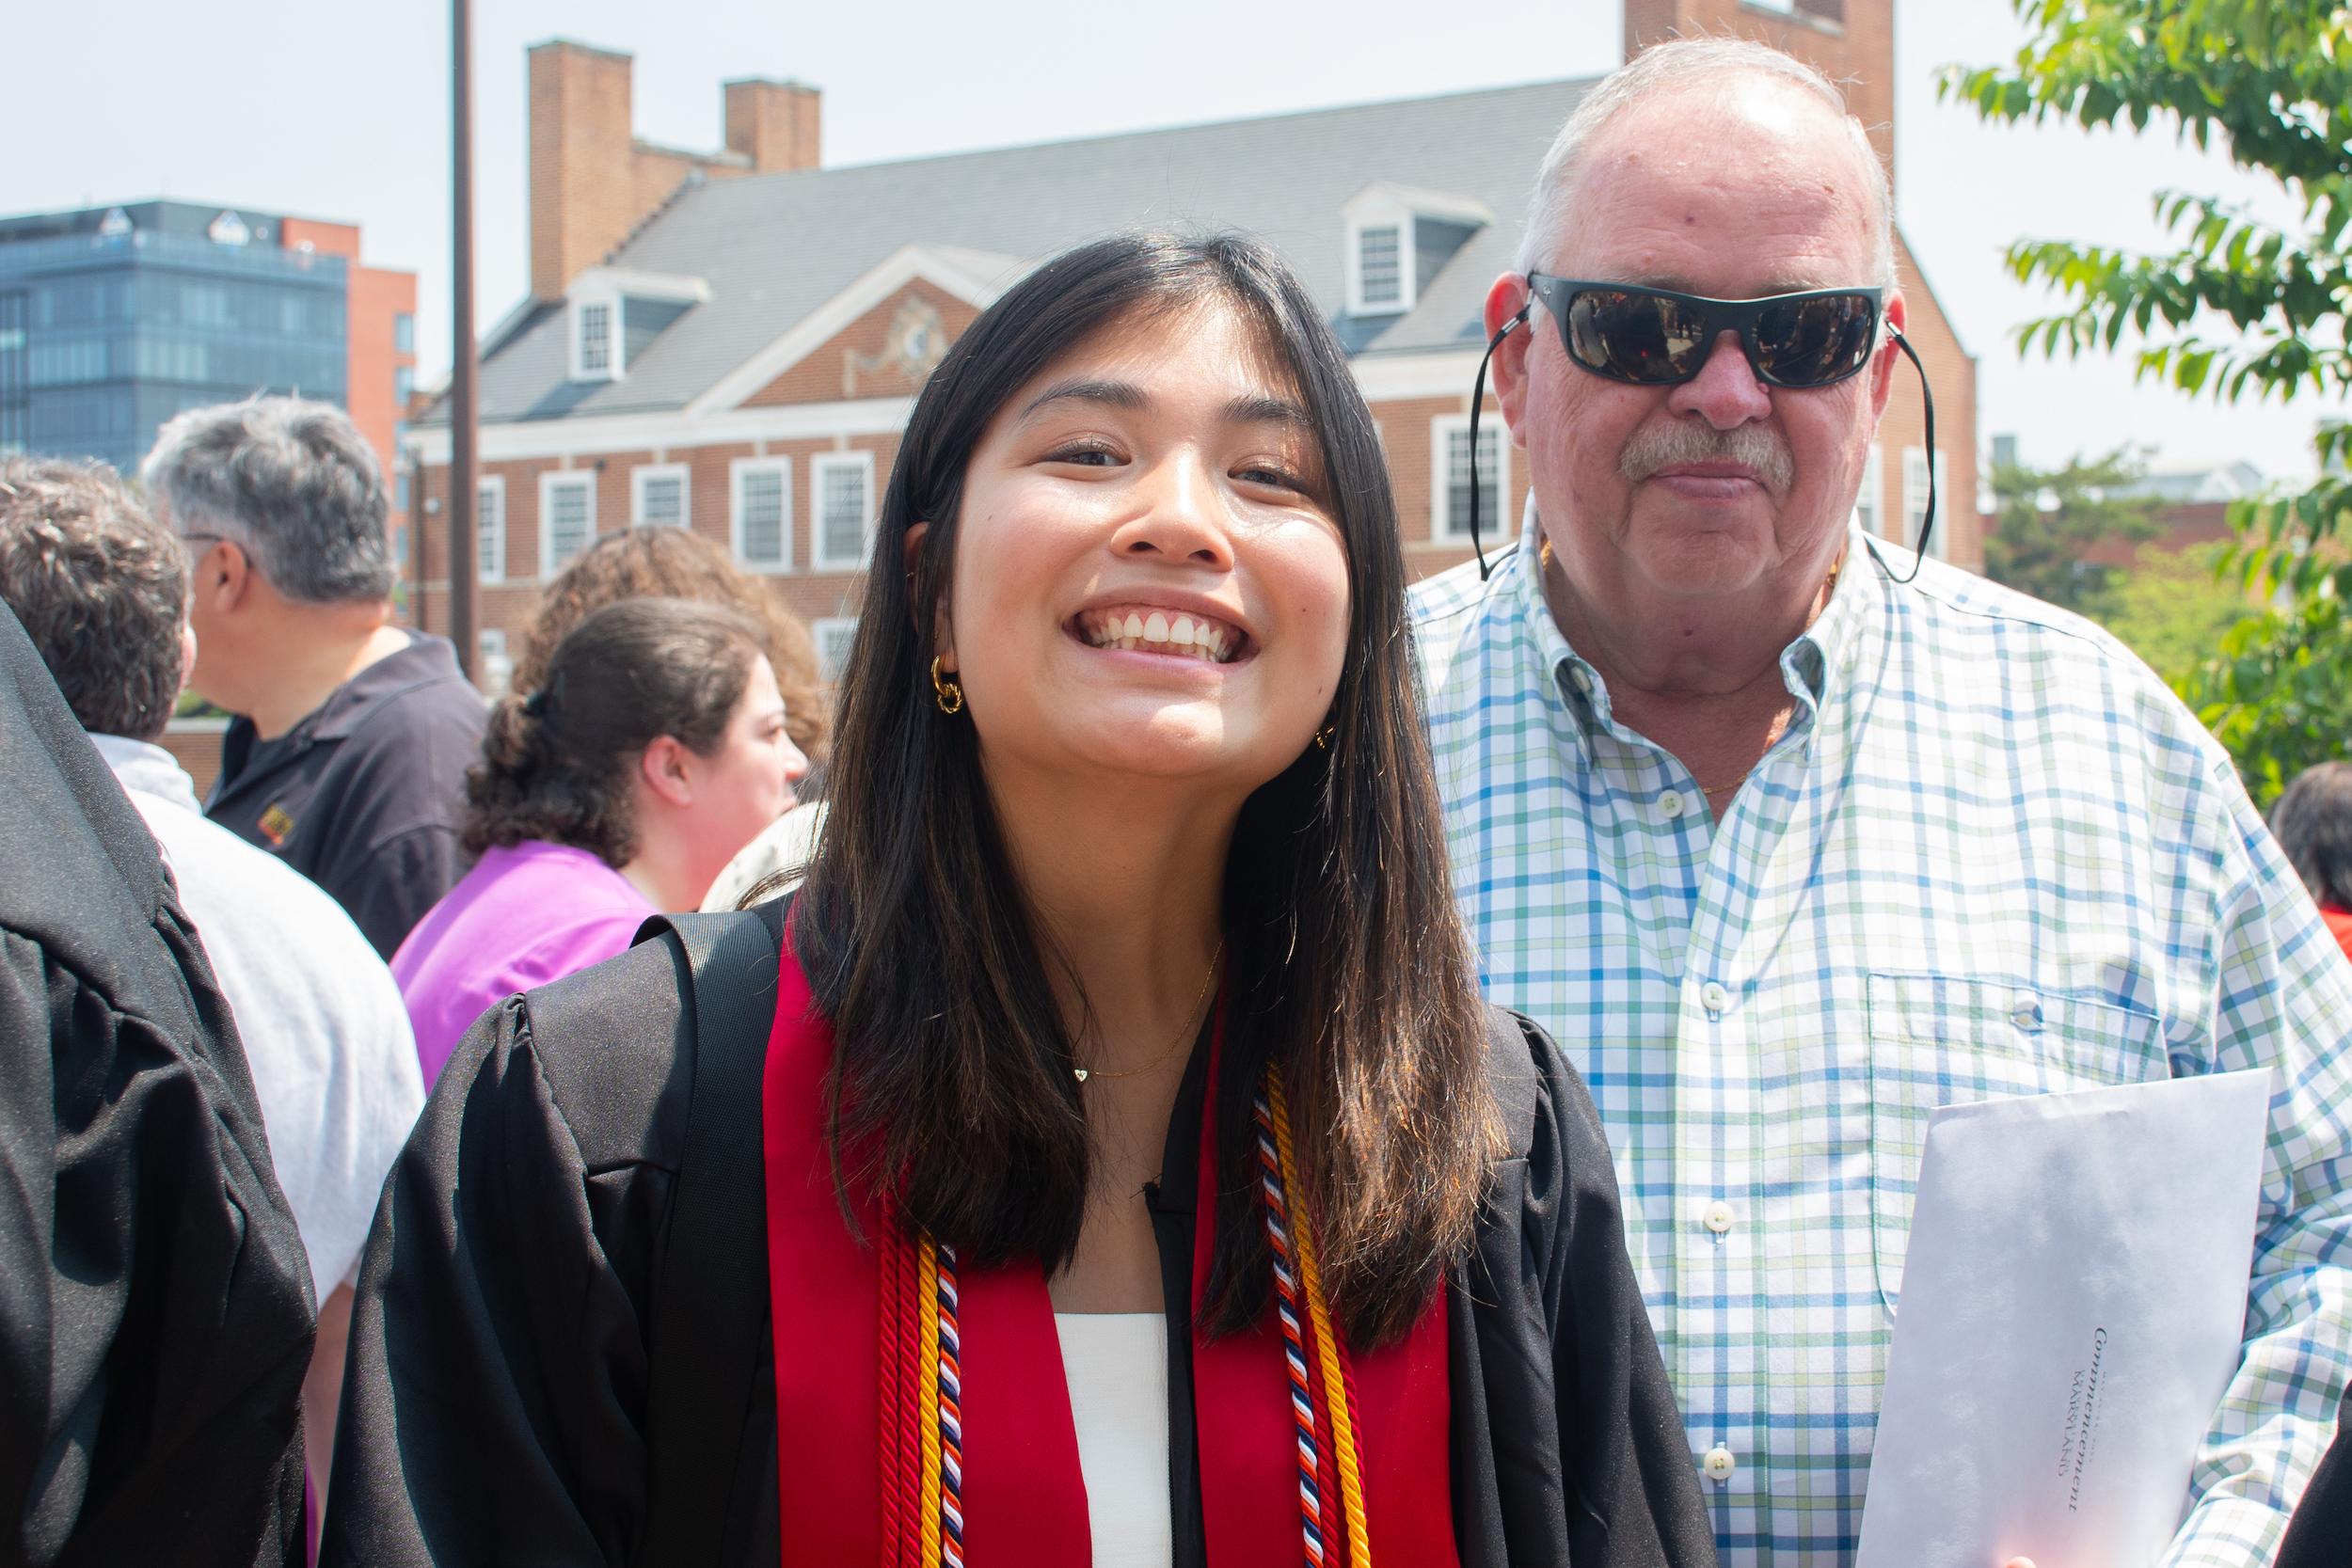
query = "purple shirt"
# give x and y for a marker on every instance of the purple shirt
(520, 918)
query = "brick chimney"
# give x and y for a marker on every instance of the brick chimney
(774, 124)
(592, 181)
(1849, 41)
(583, 195)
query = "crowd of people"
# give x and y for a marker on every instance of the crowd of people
(1246, 1061)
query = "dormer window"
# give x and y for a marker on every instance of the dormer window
(1379, 266)
(616, 314)
(1398, 239)
(593, 356)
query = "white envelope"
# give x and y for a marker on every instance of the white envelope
(2071, 1305)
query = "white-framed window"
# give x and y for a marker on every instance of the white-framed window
(1869, 502)
(1450, 479)
(494, 671)
(567, 517)
(761, 489)
(1940, 542)
(659, 495)
(1380, 267)
(841, 487)
(1914, 495)
(489, 529)
(833, 635)
(595, 339)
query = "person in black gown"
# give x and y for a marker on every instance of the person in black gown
(1126, 983)
(155, 1304)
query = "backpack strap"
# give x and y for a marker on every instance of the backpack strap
(710, 1287)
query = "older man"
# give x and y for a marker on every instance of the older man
(347, 758)
(1788, 846)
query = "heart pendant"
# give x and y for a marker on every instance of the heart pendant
(1080, 1073)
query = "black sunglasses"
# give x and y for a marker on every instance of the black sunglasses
(1659, 338)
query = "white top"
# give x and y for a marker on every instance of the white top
(1116, 1364)
(326, 1035)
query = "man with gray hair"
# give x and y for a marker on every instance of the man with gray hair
(1790, 837)
(348, 753)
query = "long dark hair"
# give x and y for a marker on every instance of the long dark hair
(556, 761)
(1348, 969)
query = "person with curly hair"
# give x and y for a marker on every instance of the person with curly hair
(654, 746)
(670, 563)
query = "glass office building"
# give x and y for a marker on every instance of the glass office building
(113, 318)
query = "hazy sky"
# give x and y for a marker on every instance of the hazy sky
(340, 111)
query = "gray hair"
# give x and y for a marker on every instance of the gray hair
(102, 588)
(293, 483)
(1683, 64)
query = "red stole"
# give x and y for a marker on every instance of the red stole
(1022, 1497)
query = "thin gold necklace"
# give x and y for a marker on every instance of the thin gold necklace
(1192, 1027)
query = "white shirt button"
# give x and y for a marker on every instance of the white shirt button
(1719, 1216)
(2024, 1010)
(1673, 804)
(1713, 997)
(1719, 1464)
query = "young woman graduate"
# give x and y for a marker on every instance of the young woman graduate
(1139, 1179)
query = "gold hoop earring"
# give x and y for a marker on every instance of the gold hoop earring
(946, 689)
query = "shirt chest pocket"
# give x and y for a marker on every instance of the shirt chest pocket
(1940, 1039)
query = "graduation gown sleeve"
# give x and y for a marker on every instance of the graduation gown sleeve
(1568, 1447)
(155, 1299)
(494, 1399)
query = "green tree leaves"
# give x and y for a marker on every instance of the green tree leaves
(2236, 308)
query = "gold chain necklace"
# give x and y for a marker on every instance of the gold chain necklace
(1192, 1027)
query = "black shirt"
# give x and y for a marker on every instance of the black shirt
(155, 1298)
(362, 796)
(495, 1401)
(2321, 1533)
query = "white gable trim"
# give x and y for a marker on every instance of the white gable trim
(1385, 196)
(629, 283)
(973, 276)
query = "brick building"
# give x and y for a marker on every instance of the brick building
(731, 341)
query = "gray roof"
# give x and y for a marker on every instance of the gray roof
(773, 247)
(2173, 486)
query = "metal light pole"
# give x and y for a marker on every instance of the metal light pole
(462, 489)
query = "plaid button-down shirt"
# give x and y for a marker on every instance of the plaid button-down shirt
(1992, 855)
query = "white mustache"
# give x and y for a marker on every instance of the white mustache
(1677, 441)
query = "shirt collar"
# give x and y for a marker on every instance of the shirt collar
(1816, 666)
(145, 768)
(422, 662)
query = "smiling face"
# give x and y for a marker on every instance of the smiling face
(1147, 581)
(1716, 485)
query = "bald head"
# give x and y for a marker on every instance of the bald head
(1721, 111)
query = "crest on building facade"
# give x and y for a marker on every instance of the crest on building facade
(228, 228)
(915, 344)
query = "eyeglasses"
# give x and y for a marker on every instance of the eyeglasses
(1659, 338)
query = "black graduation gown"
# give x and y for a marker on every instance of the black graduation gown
(494, 1401)
(2321, 1533)
(155, 1313)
